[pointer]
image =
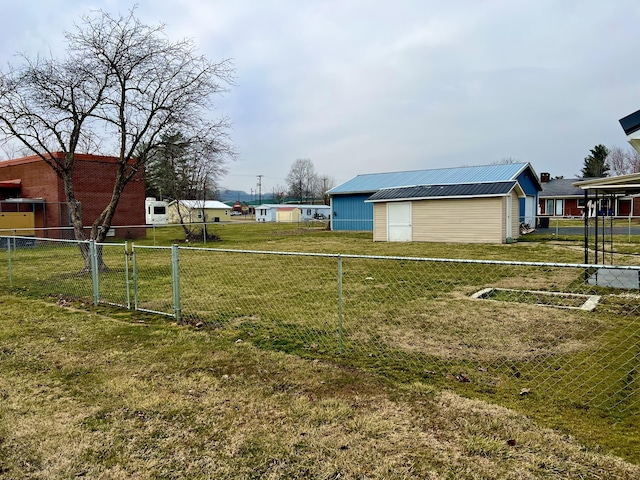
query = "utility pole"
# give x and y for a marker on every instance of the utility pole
(260, 189)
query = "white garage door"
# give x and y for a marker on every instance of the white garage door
(399, 221)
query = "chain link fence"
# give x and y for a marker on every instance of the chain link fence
(87, 271)
(567, 331)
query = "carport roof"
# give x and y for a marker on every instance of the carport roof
(623, 184)
(423, 192)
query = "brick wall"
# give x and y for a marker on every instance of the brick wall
(94, 178)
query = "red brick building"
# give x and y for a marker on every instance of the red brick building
(560, 198)
(38, 189)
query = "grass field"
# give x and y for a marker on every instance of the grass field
(407, 325)
(106, 394)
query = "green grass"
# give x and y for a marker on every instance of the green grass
(98, 393)
(407, 321)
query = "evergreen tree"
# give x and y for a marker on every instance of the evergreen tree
(595, 165)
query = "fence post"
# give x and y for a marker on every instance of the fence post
(9, 262)
(95, 276)
(135, 277)
(126, 274)
(340, 330)
(175, 271)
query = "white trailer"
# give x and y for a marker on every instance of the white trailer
(155, 211)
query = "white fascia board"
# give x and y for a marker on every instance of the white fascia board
(438, 198)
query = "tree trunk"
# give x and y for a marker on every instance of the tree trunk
(75, 214)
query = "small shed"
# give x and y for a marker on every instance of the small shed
(198, 211)
(267, 212)
(470, 213)
(288, 215)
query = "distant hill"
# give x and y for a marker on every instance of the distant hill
(233, 195)
(241, 195)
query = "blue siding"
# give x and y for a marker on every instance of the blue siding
(351, 213)
(528, 184)
(531, 187)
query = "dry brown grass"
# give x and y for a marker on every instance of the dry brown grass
(90, 397)
(480, 330)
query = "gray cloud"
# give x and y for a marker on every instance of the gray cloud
(366, 86)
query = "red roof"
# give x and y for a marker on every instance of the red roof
(16, 183)
(59, 156)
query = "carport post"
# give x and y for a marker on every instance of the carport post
(585, 211)
(175, 275)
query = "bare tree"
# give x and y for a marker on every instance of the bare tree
(326, 183)
(506, 161)
(302, 180)
(181, 168)
(279, 193)
(121, 86)
(622, 161)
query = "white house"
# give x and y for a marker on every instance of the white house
(268, 212)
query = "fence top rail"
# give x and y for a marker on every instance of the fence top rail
(151, 247)
(61, 240)
(412, 259)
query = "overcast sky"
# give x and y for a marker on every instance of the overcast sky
(365, 86)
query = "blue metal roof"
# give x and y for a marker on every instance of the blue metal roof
(441, 176)
(489, 189)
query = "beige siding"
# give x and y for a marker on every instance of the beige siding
(379, 222)
(172, 213)
(213, 213)
(477, 220)
(515, 215)
(289, 216)
(191, 216)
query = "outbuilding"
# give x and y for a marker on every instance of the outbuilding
(198, 211)
(288, 215)
(469, 213)
(268, 212)
(351, 211)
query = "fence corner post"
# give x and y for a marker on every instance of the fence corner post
(175, 275)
